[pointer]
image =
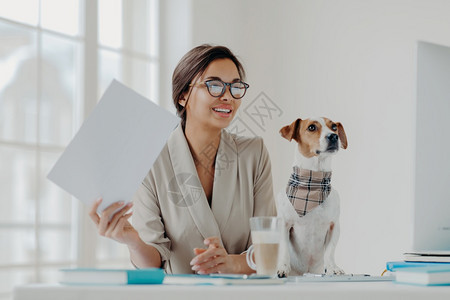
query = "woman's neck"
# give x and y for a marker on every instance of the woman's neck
(203, 143)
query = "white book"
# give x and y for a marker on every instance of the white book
(433, 275)
(221, 279)
(427, 256)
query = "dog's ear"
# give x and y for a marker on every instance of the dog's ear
(290, 132)
(342, 136)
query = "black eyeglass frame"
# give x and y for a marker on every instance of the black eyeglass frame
(225, 84)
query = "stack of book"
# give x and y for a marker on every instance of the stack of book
(92, 276)
(420, 273)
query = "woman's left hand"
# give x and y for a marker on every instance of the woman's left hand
(215, 259)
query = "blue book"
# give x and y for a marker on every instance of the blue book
(92, 276)
(396, 265)
(433, 275)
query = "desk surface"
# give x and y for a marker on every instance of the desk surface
(316, 291)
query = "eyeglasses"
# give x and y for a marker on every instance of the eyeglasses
(216, 88)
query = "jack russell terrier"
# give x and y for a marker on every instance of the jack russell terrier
(310, 207)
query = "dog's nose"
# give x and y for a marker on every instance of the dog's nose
(332, 138)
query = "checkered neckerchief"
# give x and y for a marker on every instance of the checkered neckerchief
(308, 189)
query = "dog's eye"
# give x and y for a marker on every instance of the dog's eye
(312, 127)
(334, 127)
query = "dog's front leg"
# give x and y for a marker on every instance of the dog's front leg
(284, 260)
(330, 247)
(286, 212)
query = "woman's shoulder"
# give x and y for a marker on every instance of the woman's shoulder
(251, 145)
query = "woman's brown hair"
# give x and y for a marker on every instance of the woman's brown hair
(193, 64)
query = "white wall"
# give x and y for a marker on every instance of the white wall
(352, 61)
(175, 37)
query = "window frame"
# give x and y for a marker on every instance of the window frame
(82, 230)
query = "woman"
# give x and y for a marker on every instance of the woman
(205, 184)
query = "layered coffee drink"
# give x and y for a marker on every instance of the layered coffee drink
(266, 245)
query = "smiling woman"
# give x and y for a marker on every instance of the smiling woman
(206, 183)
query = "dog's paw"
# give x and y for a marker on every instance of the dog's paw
(283, 271)
(334, 270)
(282, 274)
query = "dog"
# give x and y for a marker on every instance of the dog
(309, 206)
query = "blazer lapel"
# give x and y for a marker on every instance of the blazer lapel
(189, 185)
(225, 179)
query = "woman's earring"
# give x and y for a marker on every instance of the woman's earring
(182, 102)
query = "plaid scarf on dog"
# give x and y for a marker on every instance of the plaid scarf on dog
(308, 189)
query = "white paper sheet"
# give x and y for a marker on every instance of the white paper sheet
(115, 147)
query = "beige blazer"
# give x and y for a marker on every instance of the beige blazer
(171, 211)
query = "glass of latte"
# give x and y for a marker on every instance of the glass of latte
(263, 255)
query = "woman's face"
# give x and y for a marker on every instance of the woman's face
(202, 108)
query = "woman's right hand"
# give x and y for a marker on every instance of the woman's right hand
(115, 225)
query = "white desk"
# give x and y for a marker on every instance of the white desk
(316, 291)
